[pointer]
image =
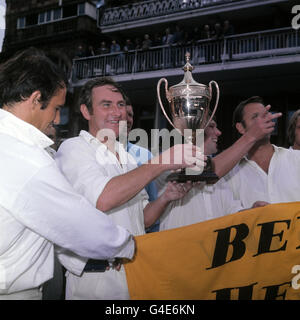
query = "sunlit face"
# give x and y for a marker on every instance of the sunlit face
(211, 136)
(297, 135)
(43, 119)
(130, 114)
(109, 108)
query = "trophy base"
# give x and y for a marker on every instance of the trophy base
(208, 176)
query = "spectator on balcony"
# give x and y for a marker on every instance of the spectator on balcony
(129, 56)
(195, 35)
(137, 43)
(147, 42)
(206, 32)
(228, 29)
(103, 48)
(117, 61)
(114, 47)
(178, 35)
(128, 45)
(157, 41)
(217, 32)
(186, 38)
(80, 53)
(168, 37)
(90, 51)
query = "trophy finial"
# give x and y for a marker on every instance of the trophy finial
(188, 66)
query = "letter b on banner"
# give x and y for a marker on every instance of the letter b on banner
(223, 242)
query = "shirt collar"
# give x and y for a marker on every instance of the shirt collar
(22, 130)
(98, 144)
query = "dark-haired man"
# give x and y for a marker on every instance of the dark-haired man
(268, 173)
(39, 207)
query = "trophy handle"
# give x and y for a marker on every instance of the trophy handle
(167, 95)
(217, 99)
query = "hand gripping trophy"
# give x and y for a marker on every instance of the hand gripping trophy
(190, 109)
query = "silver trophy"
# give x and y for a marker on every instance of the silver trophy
(190, 109)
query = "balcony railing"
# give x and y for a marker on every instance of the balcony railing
(256, 45)
(154, 8)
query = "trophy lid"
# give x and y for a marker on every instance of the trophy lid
(188, 85)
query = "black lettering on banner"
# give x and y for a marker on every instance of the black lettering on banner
(245, 293)
(266, 236)
(223, 242)
(272, 291)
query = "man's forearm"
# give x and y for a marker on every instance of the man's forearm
(154, 210)
(227, 159)
(122, 188)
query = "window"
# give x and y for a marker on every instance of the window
(81, 9)
(48, 16)
(42, 17)
(21, 23)
(57, 14)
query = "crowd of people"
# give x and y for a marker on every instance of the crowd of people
(85, 203)
(178, 35)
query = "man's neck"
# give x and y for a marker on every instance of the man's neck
(261, 153)
(296, 146)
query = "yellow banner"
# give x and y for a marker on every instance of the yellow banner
(253, 254)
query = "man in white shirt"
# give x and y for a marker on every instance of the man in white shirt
(98, 167)
(39, 207)
(293, 131)
(268, 173)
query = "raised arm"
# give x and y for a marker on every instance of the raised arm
(227, 159)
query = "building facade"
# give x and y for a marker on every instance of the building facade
(248, 46)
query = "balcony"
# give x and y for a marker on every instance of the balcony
(263, 48)
(157, 12)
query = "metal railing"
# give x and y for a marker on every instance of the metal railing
(154, 8)
(268, 43)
